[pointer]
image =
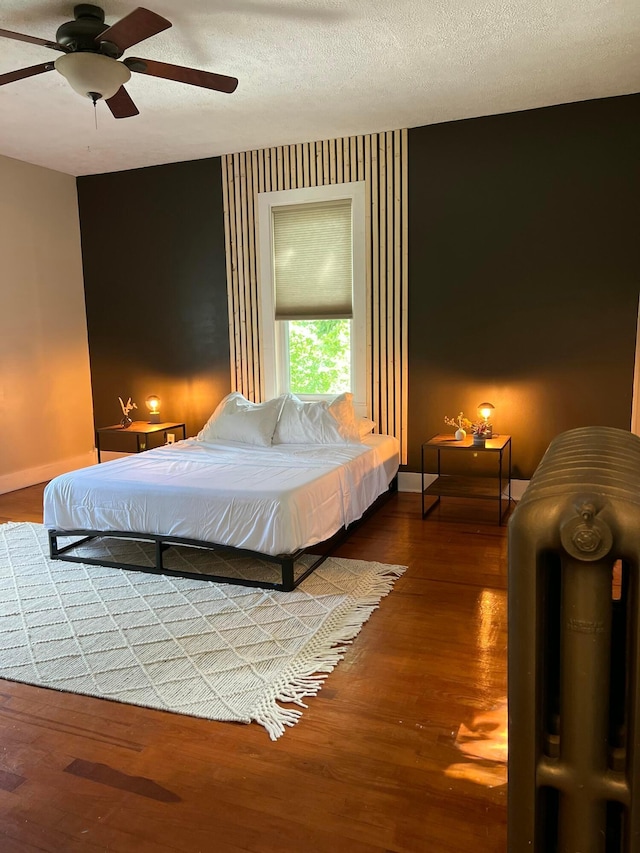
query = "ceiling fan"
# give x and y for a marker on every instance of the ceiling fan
(92, 51)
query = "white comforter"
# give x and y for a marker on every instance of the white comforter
(273, 499)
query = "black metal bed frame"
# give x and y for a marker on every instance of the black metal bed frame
(286, 562)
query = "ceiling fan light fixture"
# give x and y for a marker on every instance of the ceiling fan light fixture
(91, 74)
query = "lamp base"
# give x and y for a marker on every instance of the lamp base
(154, 418)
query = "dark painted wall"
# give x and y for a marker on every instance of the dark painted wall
(155, 283)
(523, 277)
(523, 271)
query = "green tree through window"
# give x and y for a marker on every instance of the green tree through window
(319, 356)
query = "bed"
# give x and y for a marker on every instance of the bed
(262, 480)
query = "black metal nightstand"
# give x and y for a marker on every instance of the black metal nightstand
(141, 429)
(469, 485)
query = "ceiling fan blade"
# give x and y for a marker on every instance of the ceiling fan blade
(8, 34)
(181, 74)
(121, 105)
(12, 76)
(135, 27)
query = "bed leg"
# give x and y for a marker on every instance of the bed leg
(288, 581)
(53, 545)
(159, 549)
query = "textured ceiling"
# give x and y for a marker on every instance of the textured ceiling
(313, 69)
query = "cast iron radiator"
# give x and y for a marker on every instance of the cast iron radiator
(574, 649)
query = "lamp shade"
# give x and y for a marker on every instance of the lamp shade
(92, 74)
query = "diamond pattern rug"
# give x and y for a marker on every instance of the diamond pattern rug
(219, 651)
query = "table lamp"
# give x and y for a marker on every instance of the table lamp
(153, 404)
(485, 409)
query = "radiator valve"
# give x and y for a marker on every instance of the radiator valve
(585, 536)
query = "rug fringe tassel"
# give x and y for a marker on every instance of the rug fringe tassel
(339, 633)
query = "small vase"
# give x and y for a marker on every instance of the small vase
(460, 434)
(126, 422)
(479, 440)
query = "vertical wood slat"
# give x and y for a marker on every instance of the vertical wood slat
(242, 317)
(326, 166)
(300, 165)
(332, 161)
(347, 159)
(305, 165)
(258, 179)
(260, 157)
(234, 276)
(382, 208)
(248, 308)
(313, 165)
(397, 278)
(267, 170)
(390, 288)
(246, 277)
(375, 266)
(227, 253)
(380, 160)
(353, 158)
(251, 195)
(367, 238)
(293, 170)
(279, 178)
(237, 205)
(404, 284)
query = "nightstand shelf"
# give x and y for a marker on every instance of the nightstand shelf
(492, 487)
(458, 485)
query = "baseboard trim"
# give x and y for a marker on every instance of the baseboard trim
(409, 481)
(109, 455)
(518, 488)
(30, 476)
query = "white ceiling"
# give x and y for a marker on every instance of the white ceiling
(313, 69)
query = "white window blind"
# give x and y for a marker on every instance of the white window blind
(313, 261)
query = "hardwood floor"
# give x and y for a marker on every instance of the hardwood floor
(402, 751)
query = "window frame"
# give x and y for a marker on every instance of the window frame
(272, 333)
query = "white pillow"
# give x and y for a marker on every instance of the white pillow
(342, 409)
(238, 419)
(317, 422)
(365, 426)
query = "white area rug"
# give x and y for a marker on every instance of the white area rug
(219, 651)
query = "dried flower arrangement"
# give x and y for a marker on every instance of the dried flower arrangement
(460, 422)
(482, 428)
(127, 407)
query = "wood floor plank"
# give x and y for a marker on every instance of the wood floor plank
(390, 757)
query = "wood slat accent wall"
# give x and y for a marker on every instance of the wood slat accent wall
(379, 159)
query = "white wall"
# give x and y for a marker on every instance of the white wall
(46, 421)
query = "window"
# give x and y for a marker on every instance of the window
(312, 280)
